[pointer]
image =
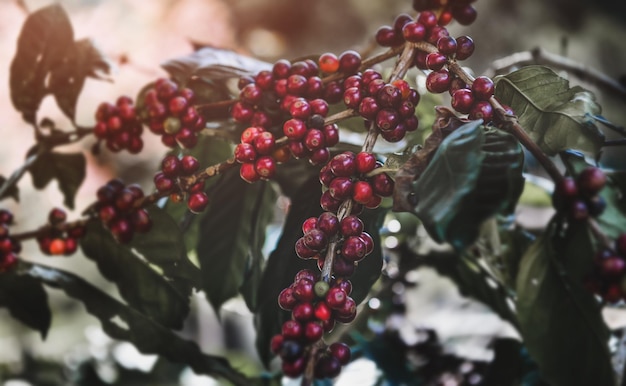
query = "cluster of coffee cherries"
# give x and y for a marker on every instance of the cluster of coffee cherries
(293, 97)
(54, 241)
(579, 197)
(460, 10)
(170, 180)
(391, 106)
(315, 307)
(608, 278)
(9, 247)
(258, 154)
(116, 209)
(118, 125)
(346, 177)
(170, 113)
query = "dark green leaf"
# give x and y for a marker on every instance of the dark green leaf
(26, 300)
(225, 234)
(552, 113)
(13, 192)
(283, 263)
(560, 320)
(473, 175)
(613, 218)
(124, 323)
(81, 60)
(43, 42)
(67, 168)
(262, 215)
(213, 64)
(141, 286)
(208, 151)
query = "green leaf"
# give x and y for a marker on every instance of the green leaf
(43, 42)
(124, 323)
(613, 218)
(225, 234)
(13, 192)
(26, 300)
(141, 286)
(552, 113)
(474, 174)
(67, 168)
(208, 151)
(81, 60)
(213, 64)
(560, 321)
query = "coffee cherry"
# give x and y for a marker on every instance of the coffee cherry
(368, 108)
(347, 313)
(590, 181)
(341, 351)
(387, 37)
(351, 226)
(438, 81)
(481, 110)
(322, 311)
(382, 184)
(197, 202)
(620, 244)
(302, 312)
(291, 329)
(327, 367)
(314, 139)
(248, 172)
(465, 15)
(353, 249)
(313, 331)
(328, 63)
(578, 210)
(309, 224)
(56, 247)
(613, 267)
(387, 119)
(596, 205)
(341, 188)
(336, 298)
(328, 223)
(414, 32)
(482, 88)
(315, 239)
(435, 61)
(122, 230)
(295, 368)
(265, 167)
(447, 45)
(343, 165)
(286, 300)
(428, 19)
(57, 216)
(462, 100)
(303, 291)
(464, 48)
(369, 244)
(365, 162)
(349, 62)
(389, 96)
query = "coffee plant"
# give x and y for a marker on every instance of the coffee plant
(329, 293)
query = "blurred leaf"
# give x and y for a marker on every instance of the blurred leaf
(213, 64)
(82, 60)
(67, 168)
(124, 323)
(44, 40)
(559, 319)
(208, 151)
(13, 192)
(26, 300)
(142, 287)
(225, 233)
(552, 113)
(473, 175)
(613, 218)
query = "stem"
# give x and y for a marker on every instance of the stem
(216, 105)
(17, 174)
(327, 269)
(309, 371)
(44, 230)
(340, 116)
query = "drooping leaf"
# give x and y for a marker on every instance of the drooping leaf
(473, 175)
(26, 300)
(283, 263)
(208, 151)
(67, 168)
(82, 59)
(559, 319)
(43, 42)
(552, 113)
(124, 323)
(141, 286)
(13, 192)
(213, 64)
(225, 233)
(613, 218)
(163, 245)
